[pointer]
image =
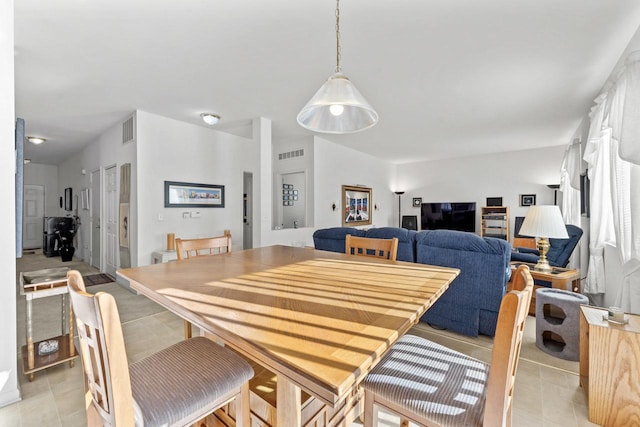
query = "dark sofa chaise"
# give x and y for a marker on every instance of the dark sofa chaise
(470, 305)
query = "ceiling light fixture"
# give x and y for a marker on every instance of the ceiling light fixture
(35, 140)
(27, 161)
(337, 107)
(210, 119)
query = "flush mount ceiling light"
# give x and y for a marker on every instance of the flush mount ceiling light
(35, 140)
(337, 107)
(210, 119)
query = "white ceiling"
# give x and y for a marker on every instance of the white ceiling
(447, 77)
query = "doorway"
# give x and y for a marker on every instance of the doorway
(33, 214)
(94, 220)
(247, 210)
(111, 219)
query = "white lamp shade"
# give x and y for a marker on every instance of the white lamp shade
(544, 221)
(323, 113)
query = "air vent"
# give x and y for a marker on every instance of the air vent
(291, 154)
(127, 131)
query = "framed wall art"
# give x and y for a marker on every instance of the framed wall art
(357, 201)
(191, 195)
(417, 202)
(527, 199)
(68, 199)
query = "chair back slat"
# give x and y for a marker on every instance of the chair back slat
(103, 353)
(191, 248)
(365, 246)
(506, 350)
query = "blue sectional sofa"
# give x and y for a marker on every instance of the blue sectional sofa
(470, 306)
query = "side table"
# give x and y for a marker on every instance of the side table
(42, 284)
(159, 257)
(560, 278)
(609, 366)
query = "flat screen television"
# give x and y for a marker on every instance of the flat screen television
(449, 216)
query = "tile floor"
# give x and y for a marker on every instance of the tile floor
(545, 396)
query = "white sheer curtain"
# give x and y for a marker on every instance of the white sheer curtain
(613, 155)
(601, 232)
(570, 184)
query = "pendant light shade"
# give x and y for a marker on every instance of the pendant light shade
(337, 107)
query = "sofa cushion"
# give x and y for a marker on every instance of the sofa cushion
(484, 272)
(332, 239)
(406, 240)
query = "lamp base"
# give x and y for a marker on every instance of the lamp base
(543, 267)
(543, 264)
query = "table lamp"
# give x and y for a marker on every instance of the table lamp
(544, 222)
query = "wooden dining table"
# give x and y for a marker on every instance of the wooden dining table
(318, 320)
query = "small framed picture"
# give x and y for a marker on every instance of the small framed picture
(285, 186)
(285, 203)
(417, 202)
(295, 197)
(527, 199)
(285, 197)
(295, 192)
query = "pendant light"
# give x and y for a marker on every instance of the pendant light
(337, 107)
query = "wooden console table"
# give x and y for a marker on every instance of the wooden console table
(560, 278)
(41, 284)
(609, 366)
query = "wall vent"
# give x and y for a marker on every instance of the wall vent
(291, 154)
(128, 131)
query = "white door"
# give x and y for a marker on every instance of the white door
(111, 219)
(95, 196)
(247, 211)
(33, 213)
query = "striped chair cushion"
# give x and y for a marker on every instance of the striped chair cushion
(183, 379)
(431, 381)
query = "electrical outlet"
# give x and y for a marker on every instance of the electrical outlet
(160, 217)
(185, 215)
(196, 214)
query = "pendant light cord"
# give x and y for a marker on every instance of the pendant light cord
(338, 68)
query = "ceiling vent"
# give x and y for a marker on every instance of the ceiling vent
(128, 130)
(291, 154)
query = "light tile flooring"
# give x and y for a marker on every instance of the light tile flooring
(544, 396)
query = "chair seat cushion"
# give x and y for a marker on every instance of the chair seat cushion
(184, 379)
(441, 385)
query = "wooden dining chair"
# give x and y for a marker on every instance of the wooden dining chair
(365, 246)
(192, 248)
(176, 386)
(431, 385)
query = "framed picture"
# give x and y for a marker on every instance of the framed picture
(357, 201)
(527, 199)
(190, 195)
(68, 199)
(417, 202)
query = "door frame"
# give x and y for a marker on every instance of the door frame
(100, 172)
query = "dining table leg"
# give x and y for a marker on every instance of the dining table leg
(289, 403)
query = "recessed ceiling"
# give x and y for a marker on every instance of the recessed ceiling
(448, 78)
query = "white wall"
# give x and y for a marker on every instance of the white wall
(9, 392)
(473, 179)
(335, 166)
(170, 150)
(47, 176)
